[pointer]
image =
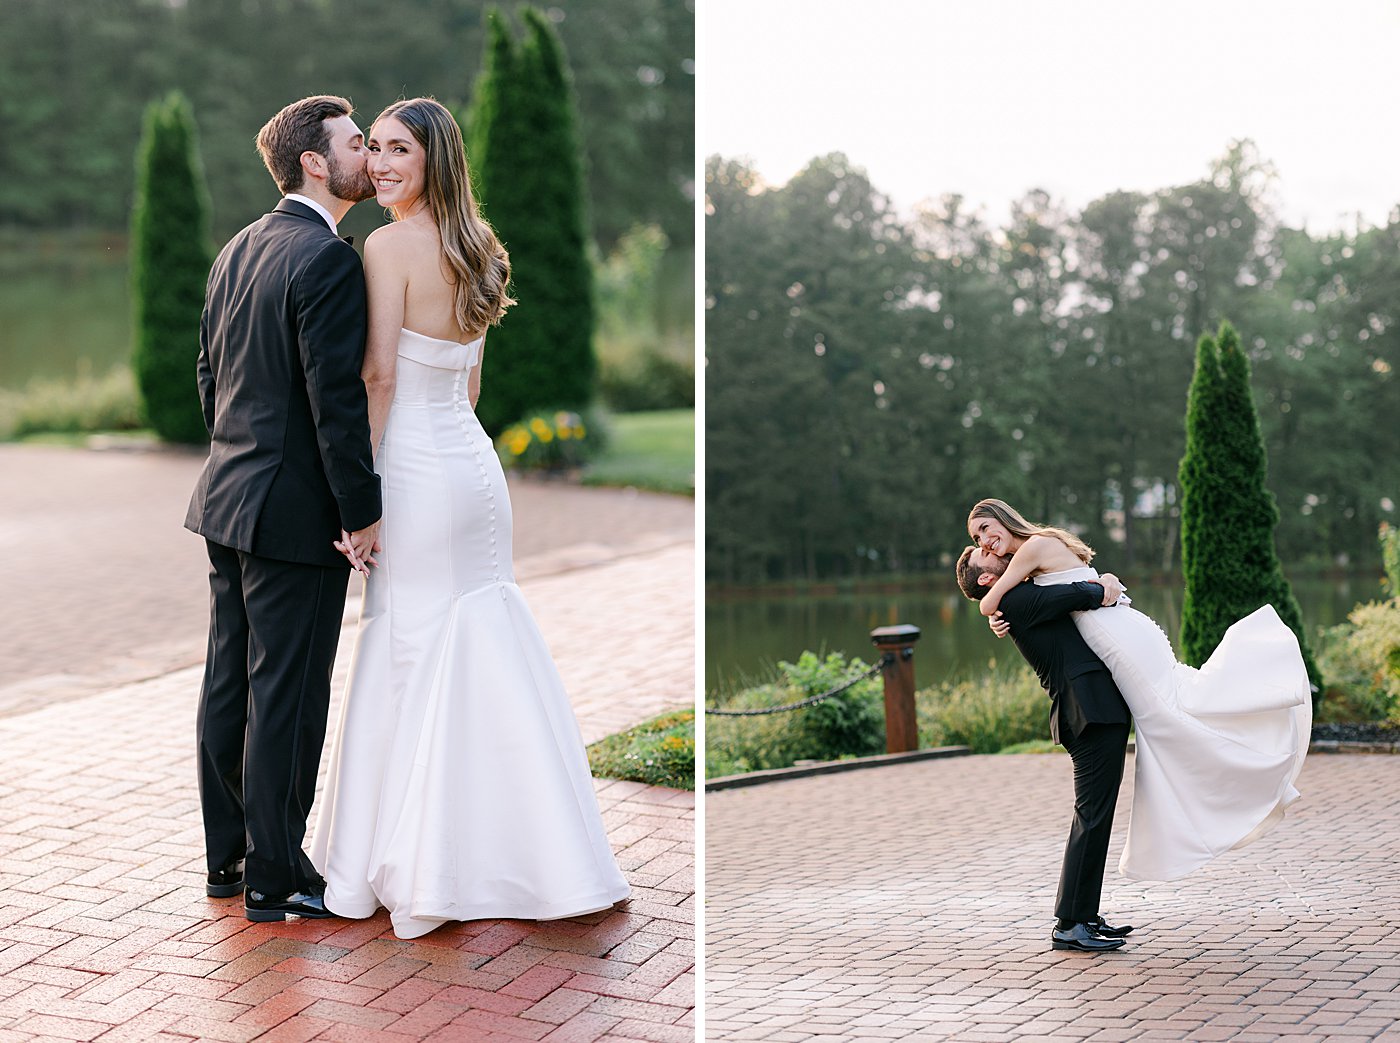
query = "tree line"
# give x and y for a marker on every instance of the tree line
(75, 79)
(872, 374)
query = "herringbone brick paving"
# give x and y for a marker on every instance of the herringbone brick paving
(913, 902)
(105, 932)
(104, 586)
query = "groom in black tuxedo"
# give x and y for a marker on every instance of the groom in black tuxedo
(289, 473)
(1087, 717)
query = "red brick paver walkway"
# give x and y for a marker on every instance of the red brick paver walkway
(105, 932)
(913, 902)
(103, 586)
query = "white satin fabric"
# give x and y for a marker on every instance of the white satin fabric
(1218, 749)
(458, 786)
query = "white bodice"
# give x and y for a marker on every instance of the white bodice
(432, 371)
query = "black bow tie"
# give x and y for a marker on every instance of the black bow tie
(349, 239)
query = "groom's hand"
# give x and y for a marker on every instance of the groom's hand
(359, 546)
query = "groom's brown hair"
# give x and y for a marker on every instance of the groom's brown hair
(298, 128)
(967, 576)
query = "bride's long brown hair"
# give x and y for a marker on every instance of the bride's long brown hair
(478, 262)
(1011, 519)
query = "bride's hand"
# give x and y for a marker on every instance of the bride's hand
(999, 626)
(1112, 588)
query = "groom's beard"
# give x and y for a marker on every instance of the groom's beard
(353, 186)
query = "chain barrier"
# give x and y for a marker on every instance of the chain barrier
(885, 660)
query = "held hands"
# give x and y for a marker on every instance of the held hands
(1112, 588)
(999, 626)
(359, 546)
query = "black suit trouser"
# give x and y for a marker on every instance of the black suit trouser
(1098, 753)
(273, 628)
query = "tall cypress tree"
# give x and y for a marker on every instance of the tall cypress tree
(528, 175)
(170, 259)
(1227, 512)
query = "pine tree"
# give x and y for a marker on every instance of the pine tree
(170, 259)
(1228, 514)
(528, 177)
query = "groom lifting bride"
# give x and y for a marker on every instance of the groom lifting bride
(1217, 749)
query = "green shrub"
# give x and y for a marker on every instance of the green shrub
(646, 380)
(658, 752)
(1002, 708)
(1362, 663)
(527, 169)
(106, 403)
(1228, 514)
(851, 724)
(170, 259)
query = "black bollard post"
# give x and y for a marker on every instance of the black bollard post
(896, 644)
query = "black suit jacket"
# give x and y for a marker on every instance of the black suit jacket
(282, 340)
(1081, 688)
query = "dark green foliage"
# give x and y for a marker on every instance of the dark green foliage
(170, 259)
(239, 63)
(525, 159)
(1228, 514)
(869, 376)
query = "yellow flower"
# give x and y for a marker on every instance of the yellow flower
(546, 435)
(564, 434)
(517, 439)
(539, 427)
(578, 430)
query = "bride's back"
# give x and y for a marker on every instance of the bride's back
(429, 293)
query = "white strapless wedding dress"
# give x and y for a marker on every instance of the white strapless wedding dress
(458, 786)
(1218, 749)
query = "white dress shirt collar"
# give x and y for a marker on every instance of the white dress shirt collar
(306, 201)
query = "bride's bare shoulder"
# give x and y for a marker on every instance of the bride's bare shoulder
(1049, 552)
(391, 241)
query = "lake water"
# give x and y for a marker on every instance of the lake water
(65, 309)
(745, 635)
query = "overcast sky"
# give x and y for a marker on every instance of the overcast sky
(1079, 97)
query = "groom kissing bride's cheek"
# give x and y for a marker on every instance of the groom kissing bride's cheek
(340, 400)
(1105, 665)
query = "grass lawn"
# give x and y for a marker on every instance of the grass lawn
(649, 451)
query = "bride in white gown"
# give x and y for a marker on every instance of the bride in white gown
(458, 788)
(1218, 749)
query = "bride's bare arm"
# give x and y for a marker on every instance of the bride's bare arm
(1025, 561)
(386, 277)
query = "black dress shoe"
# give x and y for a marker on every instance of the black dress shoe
(1100, 927)
(261, 908)
(1083, 938)
(226, 882)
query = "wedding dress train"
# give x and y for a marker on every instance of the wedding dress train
(458, 786)
(1217, 749)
